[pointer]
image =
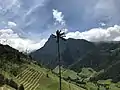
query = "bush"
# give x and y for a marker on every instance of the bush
(47, 76)
(1, 79)
(13, 84)
(6, 80)
(21, 87)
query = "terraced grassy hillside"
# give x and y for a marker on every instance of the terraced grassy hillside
(35, 78)
(5, 87)
(29, 78)
(24, 71)
(18, 68)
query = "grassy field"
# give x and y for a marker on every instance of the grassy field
(35, 78)
(84, 75)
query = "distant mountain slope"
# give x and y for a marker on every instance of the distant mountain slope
(8, 52)
(11, 60)
(47, 55)
(71, 50)
(76, 54)
(17, 69)
(101, 57)
(105, 57)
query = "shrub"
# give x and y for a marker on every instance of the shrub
(6, 80)
(1, 79)
(21, 87)
(47, 76)
(13, 84)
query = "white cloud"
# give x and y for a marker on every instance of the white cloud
(97, 34)
(9, 5)
(58, 16)
(12, 24)
(8, 36)
(102, 24)
(31, 10)
(65, 30)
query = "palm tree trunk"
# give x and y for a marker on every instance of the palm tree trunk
(60, 87)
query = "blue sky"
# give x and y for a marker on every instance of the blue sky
(34, 20)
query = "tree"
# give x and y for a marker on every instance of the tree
(59, 35)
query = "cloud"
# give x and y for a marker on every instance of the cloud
(37, 15)
(58, 16)
(102, 24)
(9, 6)
(79, 14)
(11, 24)
(8, 36)
(45, 16)
(97, 34)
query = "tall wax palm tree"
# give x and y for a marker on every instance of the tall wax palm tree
(59, 35)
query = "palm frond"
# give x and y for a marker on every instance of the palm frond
(63, 38)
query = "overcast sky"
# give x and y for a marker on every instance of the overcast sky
(27, 24)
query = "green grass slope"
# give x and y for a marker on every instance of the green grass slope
(35, 78)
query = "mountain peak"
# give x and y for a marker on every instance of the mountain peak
(52, 36)
(71, 47)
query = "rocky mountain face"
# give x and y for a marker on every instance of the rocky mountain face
(79, 53)
(71, 50)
